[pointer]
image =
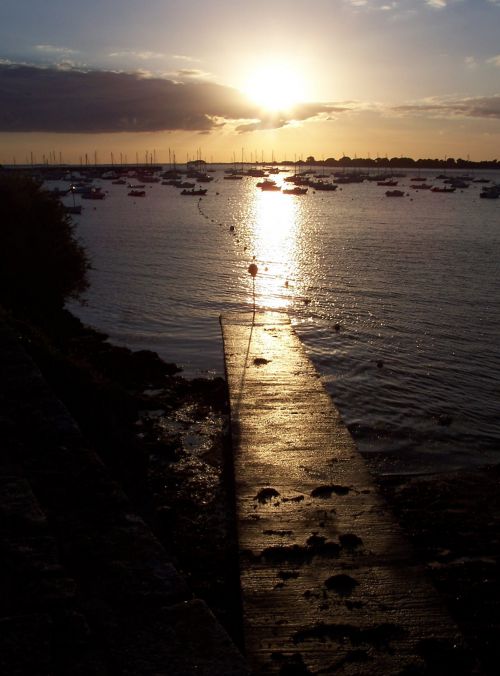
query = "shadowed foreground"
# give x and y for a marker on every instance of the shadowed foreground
(85, 586)
(328, 581)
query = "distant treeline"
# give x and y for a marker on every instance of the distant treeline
(404, 163)
(345, 161)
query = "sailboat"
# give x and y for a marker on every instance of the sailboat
(74, 208)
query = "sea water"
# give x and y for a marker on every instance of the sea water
(396, 300)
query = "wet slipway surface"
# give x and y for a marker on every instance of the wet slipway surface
(328, 581)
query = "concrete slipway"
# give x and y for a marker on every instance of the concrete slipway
(328, 581)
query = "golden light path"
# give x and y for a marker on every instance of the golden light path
(275, 246)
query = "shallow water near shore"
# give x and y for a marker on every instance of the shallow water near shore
(395, 300)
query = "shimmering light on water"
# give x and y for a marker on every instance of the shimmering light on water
(396, 301)
(275, 243)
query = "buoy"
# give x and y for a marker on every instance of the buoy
(253, 269)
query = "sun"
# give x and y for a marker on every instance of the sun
(275, 86)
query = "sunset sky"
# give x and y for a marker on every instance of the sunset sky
(418, 78)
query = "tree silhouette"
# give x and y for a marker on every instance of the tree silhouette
(42, 264)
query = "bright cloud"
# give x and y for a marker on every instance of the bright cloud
(142, 55)
(438, 4)
(53, 49)
(184, 57)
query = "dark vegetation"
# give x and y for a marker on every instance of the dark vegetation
(134, 409)
(42, 264)
(406, 163)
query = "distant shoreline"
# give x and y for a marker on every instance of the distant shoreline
(406, 163)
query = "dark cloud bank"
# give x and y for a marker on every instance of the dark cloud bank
(74, 101)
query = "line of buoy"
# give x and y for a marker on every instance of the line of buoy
(253, 268)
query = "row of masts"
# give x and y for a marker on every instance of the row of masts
(87, 160)
(52, 158)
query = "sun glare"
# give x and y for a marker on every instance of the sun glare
(276, 247)
(275, 86)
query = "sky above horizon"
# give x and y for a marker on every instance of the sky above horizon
(220, 79)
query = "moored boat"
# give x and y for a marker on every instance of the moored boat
(295, 191)
(491, 192)
(394, 193)
(73, 209)
(268, 185)
(200, 191)
(93, 194)
(58, 192)
(321, 185)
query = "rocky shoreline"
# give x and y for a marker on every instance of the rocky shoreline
(165, 439)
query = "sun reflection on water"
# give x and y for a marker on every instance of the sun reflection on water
(275, 247)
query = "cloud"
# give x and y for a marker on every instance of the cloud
(52, 49)
(193, 72)
(71, 101)
(470, 62)
(274, 121)
(371, 4)
(486, 107)
(299, 113)
(67, 100)
(404, 5)
(437, 4)
(142, 55)
(495, 60)
(184, 57)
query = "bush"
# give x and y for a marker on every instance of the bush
(42, 264)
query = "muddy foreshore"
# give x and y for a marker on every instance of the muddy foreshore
(166, 441)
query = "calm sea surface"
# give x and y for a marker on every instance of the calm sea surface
(396, 300)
